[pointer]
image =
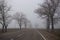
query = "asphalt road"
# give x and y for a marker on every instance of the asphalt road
(24, 35)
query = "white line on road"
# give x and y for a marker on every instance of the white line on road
(20, 35)
(41, 35)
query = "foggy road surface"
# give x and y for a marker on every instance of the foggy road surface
(25, 35)
(31, 35)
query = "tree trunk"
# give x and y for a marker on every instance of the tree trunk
(5, 28)
(20, 25)
(52, 24)
(2, 28)
(48, 24)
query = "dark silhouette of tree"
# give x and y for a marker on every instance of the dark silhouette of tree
(27, 22)
(48, 9)
(20, 17)
(4, 9)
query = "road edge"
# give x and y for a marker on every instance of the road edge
(41, 35)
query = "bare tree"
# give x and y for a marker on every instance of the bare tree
(26, 21)
(21, 19)
(48, 9)
(44, 12)
(19, 16)
(4, 9)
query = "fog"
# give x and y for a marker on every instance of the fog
(27, 7)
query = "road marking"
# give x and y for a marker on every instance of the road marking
(20, 35)
(41, 35)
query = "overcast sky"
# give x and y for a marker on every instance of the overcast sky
(27, 7)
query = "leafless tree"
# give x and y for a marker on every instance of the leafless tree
(20, 17)
(25, 22)
(4, 9)
(48, 9)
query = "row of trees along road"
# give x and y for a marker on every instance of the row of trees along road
(48, 9)
(4, 16)
(21, 19)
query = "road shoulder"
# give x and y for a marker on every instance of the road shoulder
(47, 35)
